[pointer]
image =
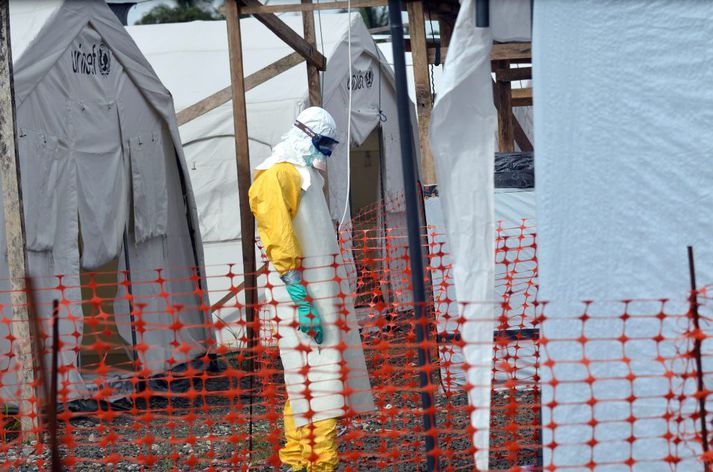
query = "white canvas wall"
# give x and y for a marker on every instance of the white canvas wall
(623, 186)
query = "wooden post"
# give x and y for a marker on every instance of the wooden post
(15, 234)
(503, 103)
(422, 79)
(315, 93)
(315, 90)
(242, 151)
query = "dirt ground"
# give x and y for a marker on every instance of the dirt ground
(210, 432)
(209, 425)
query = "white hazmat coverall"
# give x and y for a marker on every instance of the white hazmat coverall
(318, 336)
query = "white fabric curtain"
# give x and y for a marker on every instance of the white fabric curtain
(463, 125)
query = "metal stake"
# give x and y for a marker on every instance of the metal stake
(414, 233)
(52, 400)
(697, 354)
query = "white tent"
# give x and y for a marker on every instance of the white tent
(192, 60)
(101, 161)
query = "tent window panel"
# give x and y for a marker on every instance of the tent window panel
(148, 176)
(39, 161)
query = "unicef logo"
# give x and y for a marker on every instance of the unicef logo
(361, 79)
(369, 78)
(104, 56)
(91, 61)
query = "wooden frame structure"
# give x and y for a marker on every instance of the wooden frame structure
(424, 51)
(506, 98)
(503, 56)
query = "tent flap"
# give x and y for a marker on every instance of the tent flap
(148, 175)
(39, 152)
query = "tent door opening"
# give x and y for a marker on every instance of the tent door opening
(100, 324)
(366, 203)
(102, 345)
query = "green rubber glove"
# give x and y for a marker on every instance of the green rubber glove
(308, 316)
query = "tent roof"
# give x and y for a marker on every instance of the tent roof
(192, 59)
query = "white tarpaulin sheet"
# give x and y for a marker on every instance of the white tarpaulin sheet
(462, 127)
(623, 186)
(510, 20)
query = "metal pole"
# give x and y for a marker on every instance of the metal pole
(482, 13)
(414, 233)
(699, 360)
(56, 463)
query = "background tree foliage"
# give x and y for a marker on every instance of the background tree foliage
(375, 16)
(192, 10)
(184, 10)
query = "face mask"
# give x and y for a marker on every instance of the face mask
(320, 164)
(313, 157)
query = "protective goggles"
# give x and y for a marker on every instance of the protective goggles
(324, 144)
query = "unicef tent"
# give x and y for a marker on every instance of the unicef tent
(101, 163)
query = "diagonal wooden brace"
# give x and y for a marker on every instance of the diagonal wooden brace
(289, 36)
(225, 95)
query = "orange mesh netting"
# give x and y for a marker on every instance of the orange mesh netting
(161, 380)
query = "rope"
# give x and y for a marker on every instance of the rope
(349, 114)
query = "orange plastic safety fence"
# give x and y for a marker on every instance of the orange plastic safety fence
(154, 372)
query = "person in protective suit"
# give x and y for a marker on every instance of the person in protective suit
(320, 346)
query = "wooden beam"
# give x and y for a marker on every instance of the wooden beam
(422, 79)
(510, 75)
(223, 96)
(511, 51)
(521, 139)
(242, 152)
(379, 30)
(254, 9)
(233, 291)
(315, 92)
(288, 35)
(522, 97)
(313, 80)
(503, 104)
(15, 237)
